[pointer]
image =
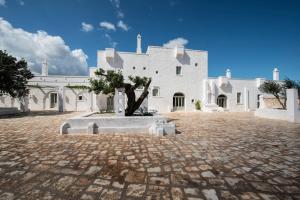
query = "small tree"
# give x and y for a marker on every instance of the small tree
(198, 105)
(14, 76)
(106, 83)
(278, 89)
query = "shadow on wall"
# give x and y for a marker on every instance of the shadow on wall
(227, 88)
(117, 62)
(185, 59)
(35, 100)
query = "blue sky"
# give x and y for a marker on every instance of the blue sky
(249, 37)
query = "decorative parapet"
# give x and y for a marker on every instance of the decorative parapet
(110, 54)
(223, 81)
(179, 51)
(259, 81)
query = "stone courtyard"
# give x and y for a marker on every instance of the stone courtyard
(213, 156)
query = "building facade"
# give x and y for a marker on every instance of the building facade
(179, 80)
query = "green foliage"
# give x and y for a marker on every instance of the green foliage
(288, 84)
(198, 105)
(14, 76)
(272, 87)
(278, 89)
(107, 82)
(80, 87)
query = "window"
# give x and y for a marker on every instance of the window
(238, 97)
(80, 98)
(144, 68)
(196, 64)
(178, 70)
(156, 72)
(155, 91)
(133, 68)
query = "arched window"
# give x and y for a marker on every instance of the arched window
(222, 101)
(178, 101)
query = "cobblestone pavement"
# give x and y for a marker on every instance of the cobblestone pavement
(213, 156)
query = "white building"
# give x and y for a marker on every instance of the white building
(179, 79)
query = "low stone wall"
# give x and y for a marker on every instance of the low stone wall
(292, 112)
(88, 124)
(271, 102)
(272, 113)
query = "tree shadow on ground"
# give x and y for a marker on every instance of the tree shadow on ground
(34, 113)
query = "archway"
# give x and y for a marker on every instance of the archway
(222, 101)
(178, 101)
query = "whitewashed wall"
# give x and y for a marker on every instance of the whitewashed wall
(163, 61)
(233, 87)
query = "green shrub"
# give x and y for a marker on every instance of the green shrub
(198, 105)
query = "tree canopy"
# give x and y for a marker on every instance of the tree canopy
(107, 82)
(278, 89)
(14, 76)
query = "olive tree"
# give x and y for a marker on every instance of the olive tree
(14, 76)
(107, 82)
(278, 89)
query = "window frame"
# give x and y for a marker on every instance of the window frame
(239, 99)
(179, 67)
(158, 91)
(78, 97)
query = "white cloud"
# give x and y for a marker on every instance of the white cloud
(176, 42)
(2, 2)
(35, 47)
(86, 27)
(116, 4)
(110, 40)
(22, 3)
(108, 26)
(123, 26)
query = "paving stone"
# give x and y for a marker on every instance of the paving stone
(177, 193)
(64, 182)
(234, 154)
(92, 170)
(136, 190)
(208, 174)
(210, 194)
(94, 188)
(135, 177)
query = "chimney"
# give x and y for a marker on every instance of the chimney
(228, 73)
(139, 44)
(276, 74)
(45, 68)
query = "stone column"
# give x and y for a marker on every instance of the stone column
(24, 102)
(262, 104)
(91, 101)
(205, 92)
(246, 99)
(292, 104)
(61, 99)
(213, 92)
(119, 101)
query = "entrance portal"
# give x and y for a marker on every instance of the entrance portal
(110, 104)
(53, 100)
(178, 102)
(222, 101)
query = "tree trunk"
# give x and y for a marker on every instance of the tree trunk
(130, 101)
(133, 105)
(282, 104)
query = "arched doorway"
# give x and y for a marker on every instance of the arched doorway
(178, 101)
(222, 101)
